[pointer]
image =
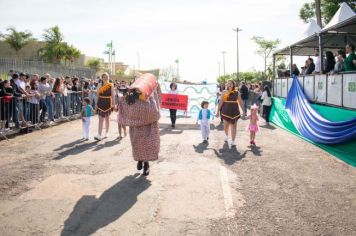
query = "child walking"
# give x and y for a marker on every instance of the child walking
(253, 126)
(204, 117)
(86, 114)
(119, 110)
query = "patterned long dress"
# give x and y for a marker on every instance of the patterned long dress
(142, 118)
(105, 100)
(230, 110)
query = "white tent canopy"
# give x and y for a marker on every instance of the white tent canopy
(311, 29)
(345, 12)
(340, 30)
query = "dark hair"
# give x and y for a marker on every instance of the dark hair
(87, 100)
(203, 103)
(341, 53)
(266, 88)
(233, 84)
(15, 76)
(329, 56)
(56, 85)
(172, 84)
(43, 78)
(310, 59)
(351, 46)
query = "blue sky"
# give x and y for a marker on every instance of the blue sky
(161, 31)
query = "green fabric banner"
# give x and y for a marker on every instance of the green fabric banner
(345, 151)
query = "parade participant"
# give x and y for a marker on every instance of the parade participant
(86, 114)
(253, 126)
(173, 112)
(104, 104)
(266, 103)
(204, 117)
(230, 110)
(119, 110)
(141, 114)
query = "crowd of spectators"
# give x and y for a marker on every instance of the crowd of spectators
(343, 61)
(27, 100)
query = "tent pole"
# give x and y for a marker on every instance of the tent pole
(274, 67)
(321, 54)
(291, 60)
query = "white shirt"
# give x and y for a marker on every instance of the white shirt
(267, 101)
(172, 92)
(317, 65)
(21, 84)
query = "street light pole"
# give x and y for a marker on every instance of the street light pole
(237, 52)
(223, 53)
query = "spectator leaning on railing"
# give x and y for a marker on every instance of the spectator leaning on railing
(7, 104)
(44, 90)
(350, 61)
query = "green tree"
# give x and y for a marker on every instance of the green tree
(328, 9)
(70, 53)
(17, 39)
(249, 76)
(266, 48)
(94, 64)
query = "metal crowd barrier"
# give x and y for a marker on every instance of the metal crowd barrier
(334, 90)
(16, 112)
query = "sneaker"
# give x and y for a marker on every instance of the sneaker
(106, 135)
(253, 143)
(233, 144)
(98, 137)
(226, 139)
(139, 165)
(146, 168)
(205, 141)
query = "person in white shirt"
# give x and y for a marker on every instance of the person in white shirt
(317, 61)
(173, 112)
(204, 117)
(266, 103)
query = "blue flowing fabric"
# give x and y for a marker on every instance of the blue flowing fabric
(311, 124)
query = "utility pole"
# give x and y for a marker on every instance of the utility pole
(237, 52)
(223, 54)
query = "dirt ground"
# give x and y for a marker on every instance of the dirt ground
(53, 183)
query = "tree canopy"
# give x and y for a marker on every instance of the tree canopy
(328, 9)
(265, 48)
(56, 50)
(94, 64)
(17, 39)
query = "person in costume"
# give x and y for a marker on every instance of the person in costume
(141, 112)
(104, 104)
(204, 117)
(229, 109)
(253, 126)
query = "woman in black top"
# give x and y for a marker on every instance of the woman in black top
(329, 62)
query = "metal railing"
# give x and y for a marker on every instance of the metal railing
(17, 113)
(40, 67)
(334, 90)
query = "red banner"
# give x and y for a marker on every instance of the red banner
(174, 101)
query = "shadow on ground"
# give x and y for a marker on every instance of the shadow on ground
(91, 214)
(229, 155)
(269, 126)
(79, 146)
